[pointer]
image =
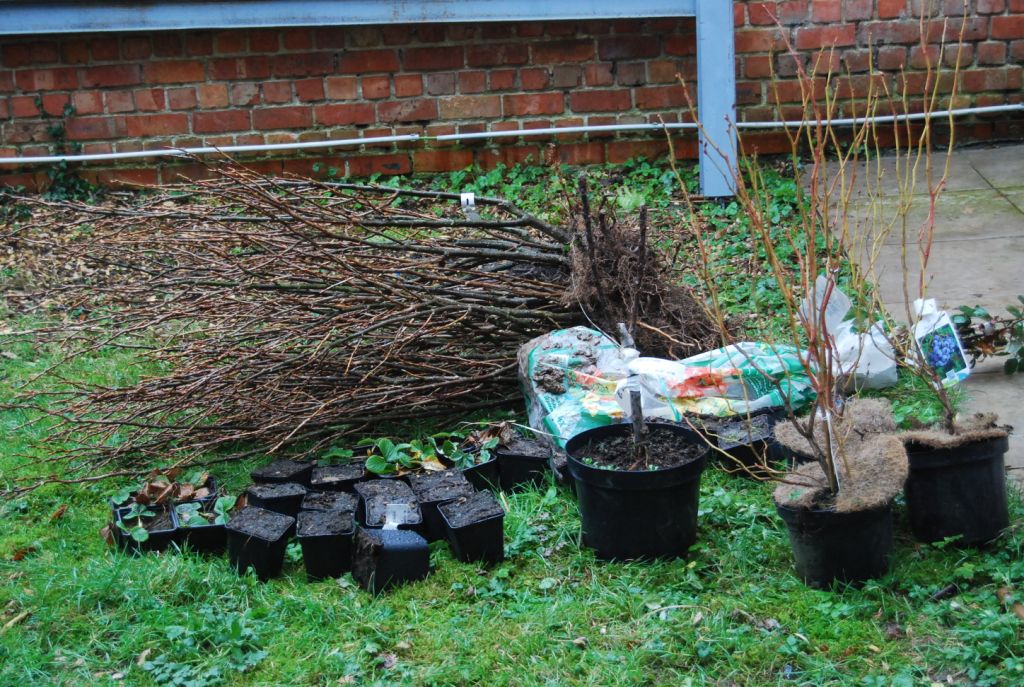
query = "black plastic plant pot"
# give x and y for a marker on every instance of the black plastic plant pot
(833, 547)
(330, 501)
(637, 514)
(483, 475)
(958, 492)
(160, 537)
(523, 464)
(745, 446)
(210, 484)
(285, 498)
(431, 490)
(257, 539)
(382, 559)
(475, 528)
(376, 495)
(326, 540)
(283, 471)
(209, 538)
(337, 477)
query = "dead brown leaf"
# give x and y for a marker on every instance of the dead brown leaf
(59, 513)
(23, 551)
(1006, 598)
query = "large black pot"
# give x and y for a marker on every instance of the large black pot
(846, 547)
(958, 492)
(637, 514)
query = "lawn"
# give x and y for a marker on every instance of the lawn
(74, 612)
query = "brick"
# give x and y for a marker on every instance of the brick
(566, 76)
(49, 79)
(628, 47)
(309, 90)
(591, 153)
(660, 97)
(342, 87)
(975, 80)
(759, 40)
(622, 151)
(441, 160)
(303, 64)
(631, 74)
(974, 29)
(598, 74)
(1017, 50)
(856, 60)
(429, 59)
(754, 67)
(213, 96)
(770, 13)
(857, 10)
(167, 45)
(198, 44)
(221, 121)
(177, 71)
(600, 101)
(497, 55)
(85, 128)
(470, 107)
(503, 79)
(557, 52)
(489, 158)
(232, 68)
(6, 81)
(441, 84)
(149, 100)
(534, 104)
(87, 102)
(364, 36)
(429, 33)
(681, 46)
(244, 94)
(230, 42)
(472, 82)
(156, 124)
(118, 101)
(111, 75)
(74, 52)
(413, 110)
(826, 11)
(298, 117)
(277, 92)
(297, 39)
(366, 61)
(990, 6)
(410, 85)
(344, 115)
(181, 98)
(376, 87)
(891, 57)
(535, 79)
(1008, 27)
(16, 54)
(104, 50)
(265, 41)
(889, 32)
(823, 37)
(379, 164)
(24, 106)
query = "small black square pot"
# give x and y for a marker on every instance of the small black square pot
(283, 471)
(375, 495)
(518, 470)
(257, 539)
(285, 498)
(431, 490)
(326, 539)
(484, 475)
(474, 527)
(745, 445)
(330, 501)
(208, 538)
(337, 477)
(384, 558)
(158, 539)
(845, 547)
(210, 484)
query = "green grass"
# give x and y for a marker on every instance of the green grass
(733, 613)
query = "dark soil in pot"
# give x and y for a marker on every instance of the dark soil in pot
(376, 495)
(384, 558)
(433, 489)
(747, 443)
(330, 501)
(281, 471)
(285, 498)
(844, 547)
(474, 527)
(257, 539)
(161, 526)
(326, 539)
(632, 511)
(958, 492)
(201, 533)
(522, 462)
(337, 477)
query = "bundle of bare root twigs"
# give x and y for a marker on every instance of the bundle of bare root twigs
(288, 313)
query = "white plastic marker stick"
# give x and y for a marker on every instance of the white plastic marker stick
(396, 514)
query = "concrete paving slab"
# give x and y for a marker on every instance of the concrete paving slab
(880, 177)
(993, 391)
(999, 166)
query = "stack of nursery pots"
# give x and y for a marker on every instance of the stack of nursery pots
(847, 535)
(637, 507)
(956, 489)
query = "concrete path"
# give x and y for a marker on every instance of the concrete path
(977, 259)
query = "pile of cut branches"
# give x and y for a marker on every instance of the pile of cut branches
(288, 313)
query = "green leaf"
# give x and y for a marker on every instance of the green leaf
(139, 534)
(378, 465)
(1011, 366)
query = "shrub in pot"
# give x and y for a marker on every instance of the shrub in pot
(257, 539)
(637, 503)
(144, 528)
(202, 523)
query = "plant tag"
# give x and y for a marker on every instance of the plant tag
(467, 200)
(396, 514)
(938, 343)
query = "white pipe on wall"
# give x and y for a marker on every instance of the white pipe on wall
(603, 128)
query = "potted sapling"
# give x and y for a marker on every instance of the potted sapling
(143, 528)
(202, 523)
(638, 486)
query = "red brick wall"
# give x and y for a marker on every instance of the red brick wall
(136, 91)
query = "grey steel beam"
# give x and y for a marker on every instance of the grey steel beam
(716, 97)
